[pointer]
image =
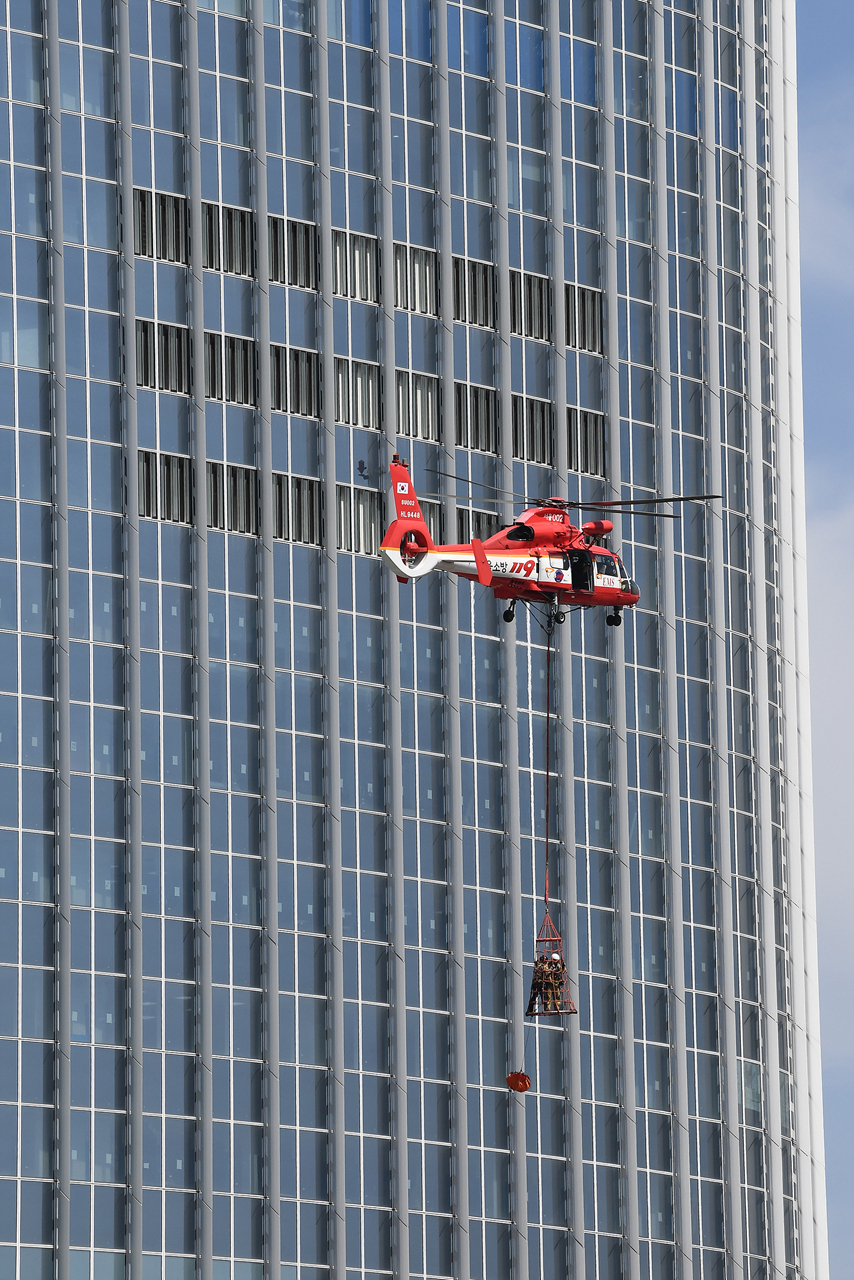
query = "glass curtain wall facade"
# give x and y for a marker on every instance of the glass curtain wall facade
(271, 827)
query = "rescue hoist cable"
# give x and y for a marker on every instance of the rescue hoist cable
(549, 634)
(550, 986)
(550, 996)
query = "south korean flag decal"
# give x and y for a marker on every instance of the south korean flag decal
(402, 486)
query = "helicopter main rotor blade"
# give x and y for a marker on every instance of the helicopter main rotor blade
(610, 503)
(629, 511)
(507, 493)
(654, 502)
(596, 504)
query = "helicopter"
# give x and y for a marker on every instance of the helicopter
(541, 558)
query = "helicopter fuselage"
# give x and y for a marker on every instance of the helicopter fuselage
(541, 556)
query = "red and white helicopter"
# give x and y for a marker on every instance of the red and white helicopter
(542, 558)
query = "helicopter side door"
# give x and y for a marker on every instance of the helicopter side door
(581, 570)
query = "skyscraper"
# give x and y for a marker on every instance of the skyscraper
(272, 845)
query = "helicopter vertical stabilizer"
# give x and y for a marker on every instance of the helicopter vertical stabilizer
(407, 546)
(406, 504)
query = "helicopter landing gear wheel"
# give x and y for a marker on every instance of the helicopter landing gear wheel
(614, 619)
(510, 612)
(560, 618)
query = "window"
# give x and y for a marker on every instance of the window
(216, 495)
(145, 366)
(147, 467)
(210, 237)
(175, 489)
(363, 268)
(538, 430)
(358, 520)
(461, 414)
(475, 524)
(586, 441)
(590, 327)
(366, 522)
(401, 382)
(356, 393)
(304, 367)
(279, 378)
(171, 222)
(143, 224)
(342, 390)
(276, 240)
(173, 372)
(483, 420)
(281, 512)
(571, 315)
(532, 436)
(213, 366)
(538, 308)
(415, 280)
(425, 406)
(584, 318)
(530, 306)
(516, 302)
(481, 308)
(175, 485)
(401, 278)
(339, 263)
(305, 511)
(432, 513)
(237, 242)
(354, 272)
(476, 413)
(242, 503)
(417, 405)
(458, 266)
(239, 370)
(365, 398)
(302, 255)
(477, 279)
(344, 517)
(422, 281)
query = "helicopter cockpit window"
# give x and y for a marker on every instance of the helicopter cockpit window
(520, 533)
(605, 566)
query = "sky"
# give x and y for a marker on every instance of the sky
(825, 77)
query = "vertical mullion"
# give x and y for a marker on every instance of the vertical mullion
(673, 851)
(510, 729)
(391, 631)
(759, 650)
(717, 637)
(61, 634)
(563, 652)
(329, 596)
(269, 832)
(133, 760)
(617, 664)
(450, 610)
(201, 690)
